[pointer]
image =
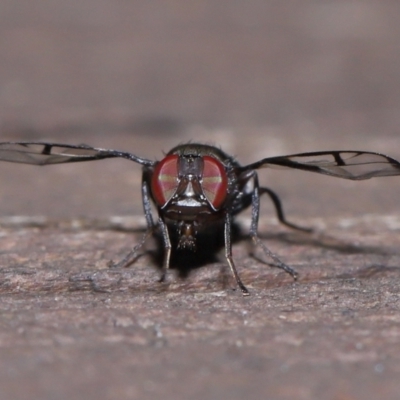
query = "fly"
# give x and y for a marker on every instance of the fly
(196, 185)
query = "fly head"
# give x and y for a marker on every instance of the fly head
(190, 180)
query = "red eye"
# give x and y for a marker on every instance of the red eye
(165, 180)
(215, 181)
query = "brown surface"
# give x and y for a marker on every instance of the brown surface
(71, 327)
(258, 78)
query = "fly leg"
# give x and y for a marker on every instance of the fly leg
(130, 257)
(255, 212)
(279, 210)
(228, 254)
(167, 249)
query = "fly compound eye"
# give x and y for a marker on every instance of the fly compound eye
(215, 182)
(164, 181)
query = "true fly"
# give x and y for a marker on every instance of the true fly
(196, 185)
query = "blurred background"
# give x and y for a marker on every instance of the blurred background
(258, 78)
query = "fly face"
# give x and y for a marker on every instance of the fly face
(189, 184)
(189, 193)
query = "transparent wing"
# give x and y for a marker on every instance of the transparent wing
(51, 153)
(349, 164)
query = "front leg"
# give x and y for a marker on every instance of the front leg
(228, 253)
(167, 248)
(146, 202)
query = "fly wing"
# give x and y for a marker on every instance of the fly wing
(349, 164)
(51, 153)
